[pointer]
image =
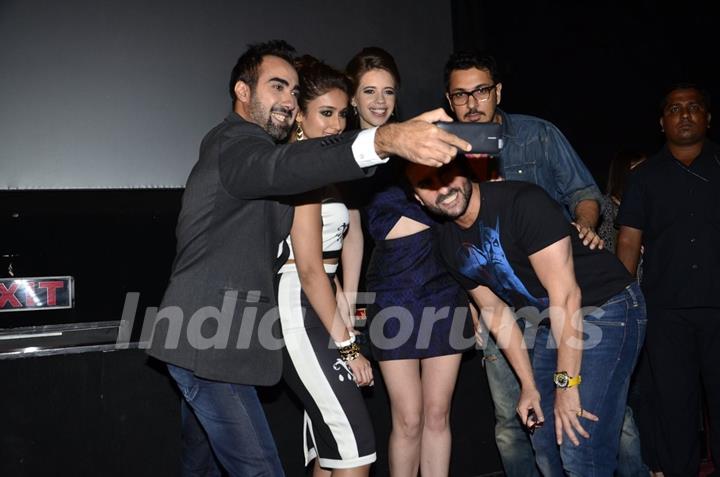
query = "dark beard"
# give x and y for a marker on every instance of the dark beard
(465, 192)
(262, 118)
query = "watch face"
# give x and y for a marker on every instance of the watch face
(561, 380)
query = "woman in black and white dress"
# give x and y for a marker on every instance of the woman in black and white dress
(314, 312)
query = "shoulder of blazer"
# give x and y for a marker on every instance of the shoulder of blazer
(236, 125)
(339, 139)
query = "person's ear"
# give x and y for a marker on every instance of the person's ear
(353, 103)
(662, 125)
(709, 117)
(498, 92)
(417, 197)
(300, 117)
(242, 92)
(452, 108)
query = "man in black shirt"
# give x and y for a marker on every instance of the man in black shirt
(510, 246)
(672, 208)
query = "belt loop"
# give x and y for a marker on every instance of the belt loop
(632, 294)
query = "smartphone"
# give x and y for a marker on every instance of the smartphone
(533, 422)
(485, 138)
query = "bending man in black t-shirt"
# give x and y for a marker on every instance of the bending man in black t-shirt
(511, 247)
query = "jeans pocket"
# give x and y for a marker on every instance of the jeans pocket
(613, 313)
(603, 323)
(186, 382)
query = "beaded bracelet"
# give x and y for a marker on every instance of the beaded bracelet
(349, 352)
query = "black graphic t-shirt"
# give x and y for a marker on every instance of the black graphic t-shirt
(516, 220)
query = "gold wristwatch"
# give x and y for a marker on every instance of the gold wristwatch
(563, 381)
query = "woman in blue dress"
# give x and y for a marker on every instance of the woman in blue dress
(419, 313)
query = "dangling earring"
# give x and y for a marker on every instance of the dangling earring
(355, 110)
(299, 133)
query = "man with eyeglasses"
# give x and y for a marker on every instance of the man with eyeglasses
(671, 206)
(534, 151)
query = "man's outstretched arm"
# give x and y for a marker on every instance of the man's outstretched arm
(253, 166)
(418, 140)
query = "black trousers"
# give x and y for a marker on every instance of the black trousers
(683, 359)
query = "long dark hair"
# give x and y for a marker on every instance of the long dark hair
(317, 78)
(620, 168)
(367, 59)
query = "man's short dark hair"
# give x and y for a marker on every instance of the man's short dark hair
(460, 162)
(464, 60)
(704, 95)
(246, 68)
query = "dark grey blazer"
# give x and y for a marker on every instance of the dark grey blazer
(213, 316)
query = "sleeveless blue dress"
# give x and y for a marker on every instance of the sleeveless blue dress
(419, 310)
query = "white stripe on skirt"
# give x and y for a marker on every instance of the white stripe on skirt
(308, 368)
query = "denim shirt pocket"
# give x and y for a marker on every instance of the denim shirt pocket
(517, 167)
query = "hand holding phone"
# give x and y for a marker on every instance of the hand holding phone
(533, 422)
(485, 138)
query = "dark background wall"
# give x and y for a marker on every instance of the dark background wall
(100, 93)
(597, 70)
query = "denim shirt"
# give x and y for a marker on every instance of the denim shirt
(536, 151)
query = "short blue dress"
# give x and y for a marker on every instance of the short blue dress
(419, 310)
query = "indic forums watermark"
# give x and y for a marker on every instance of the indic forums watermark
(211, 327)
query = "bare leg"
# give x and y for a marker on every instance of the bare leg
(362, 471)
(319, 471)
(439, 375)
(402, 380)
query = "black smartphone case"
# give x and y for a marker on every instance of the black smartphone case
(486, 138)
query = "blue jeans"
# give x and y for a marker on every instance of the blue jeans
(611, 350)
(630, 461)
(512, 440)
(234, 422)
(196, 455)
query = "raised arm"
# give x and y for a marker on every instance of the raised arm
(418, 140)
(252, 166)
(306, 237)
(502, 324)
(554, 267)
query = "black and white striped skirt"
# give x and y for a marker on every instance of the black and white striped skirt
(337, 428)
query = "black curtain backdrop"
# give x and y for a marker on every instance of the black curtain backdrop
(596, 70)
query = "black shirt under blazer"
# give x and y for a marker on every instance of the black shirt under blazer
(228, 233)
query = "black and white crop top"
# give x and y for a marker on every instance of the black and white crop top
(335, 222)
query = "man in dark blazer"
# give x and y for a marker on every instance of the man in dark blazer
(215, 327)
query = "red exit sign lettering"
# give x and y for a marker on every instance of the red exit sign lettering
(36, 293)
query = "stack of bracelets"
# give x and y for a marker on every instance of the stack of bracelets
(349, 349)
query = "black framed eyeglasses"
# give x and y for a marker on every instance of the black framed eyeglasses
(481, 94)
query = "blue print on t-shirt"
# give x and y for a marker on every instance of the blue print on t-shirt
(488, 265)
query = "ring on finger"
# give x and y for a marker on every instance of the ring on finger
(580, 413)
